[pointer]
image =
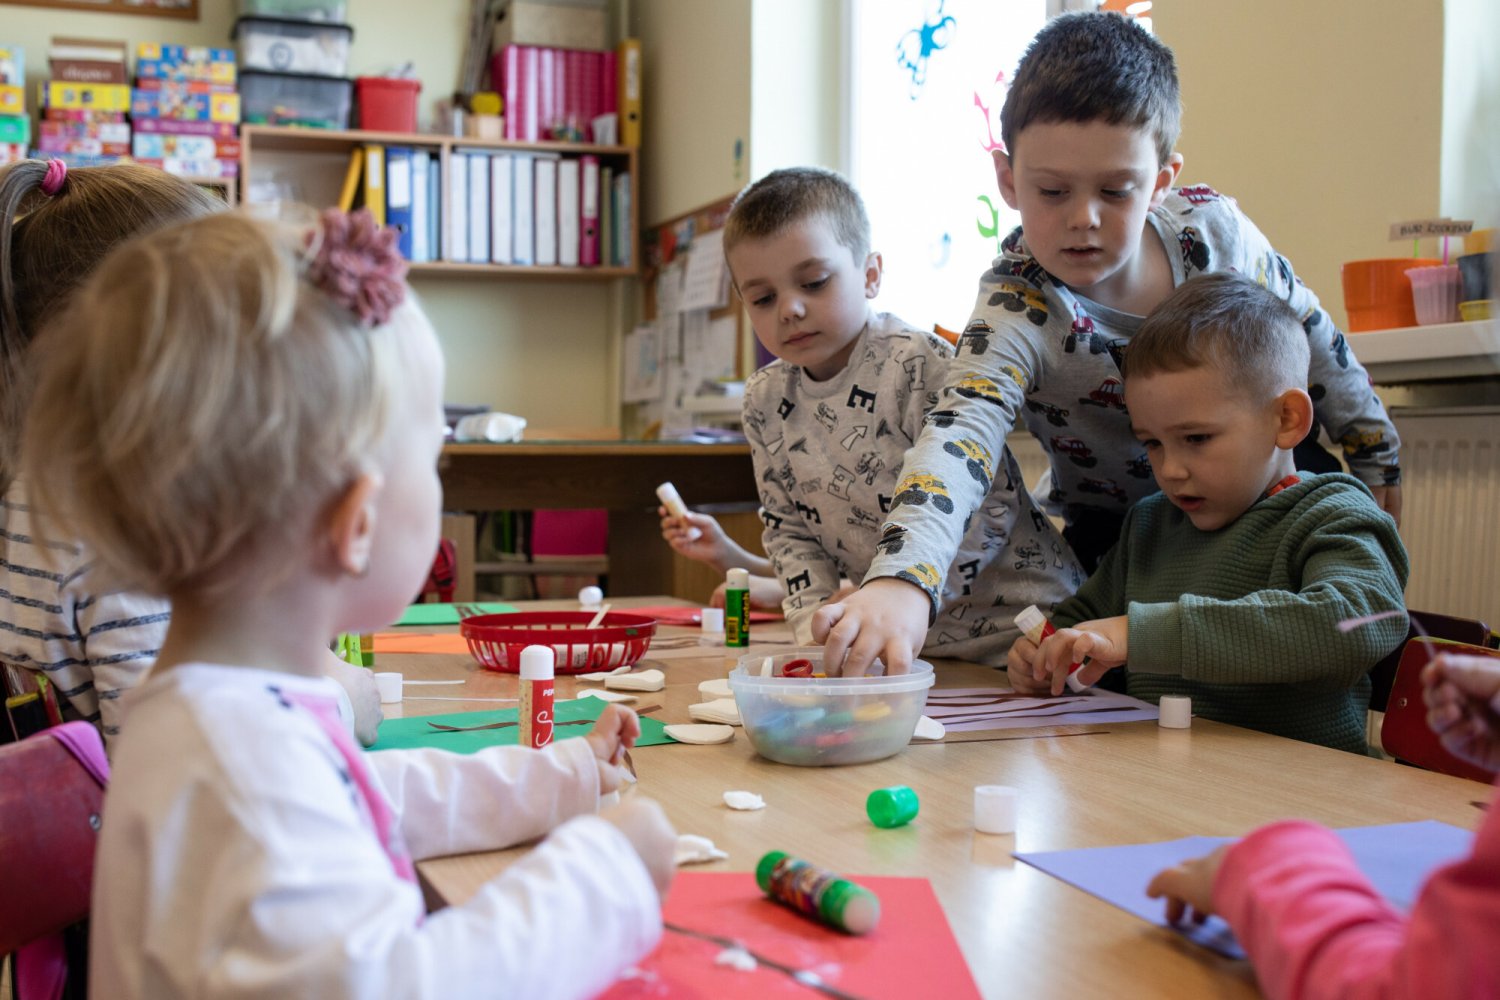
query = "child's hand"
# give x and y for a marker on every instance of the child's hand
(1102, 642)
(884, 619)
(359, 684)
(765, 594)
(696, 536)
(1189, 887)
(1463, 706)
(614, 733)
(649, 831)
(1018, 668)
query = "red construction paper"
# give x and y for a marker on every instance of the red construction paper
(911, 954)
(675, 614)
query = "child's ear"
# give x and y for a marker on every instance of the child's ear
(1006, 176)
(1294, 418)
(1166, 178)
(874, 268)
(351, 524)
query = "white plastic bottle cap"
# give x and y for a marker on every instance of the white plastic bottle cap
(590, 597)
(737, 579)
(995, 808)
(538, 663)
(388, 683)
(1175, 711)
(1032, 622)
(713, 619)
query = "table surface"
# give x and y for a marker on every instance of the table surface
(1023, 933)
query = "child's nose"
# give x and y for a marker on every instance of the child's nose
(1084, 214)
(1170, 466)
(792, 309)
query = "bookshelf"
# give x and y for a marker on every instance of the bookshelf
(309, 165)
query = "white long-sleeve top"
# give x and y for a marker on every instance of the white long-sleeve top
(238, 858)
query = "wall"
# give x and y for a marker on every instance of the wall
(1323, 119)
(696, 101)
(1471, 111)
(538, 349)
(797, 85)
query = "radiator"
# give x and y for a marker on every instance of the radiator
(1450, 517)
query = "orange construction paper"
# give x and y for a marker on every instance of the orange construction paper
(418, 642)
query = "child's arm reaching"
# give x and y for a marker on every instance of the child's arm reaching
(1311, 922)
(702, 538)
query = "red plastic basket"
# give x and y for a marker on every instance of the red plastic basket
(619, 640)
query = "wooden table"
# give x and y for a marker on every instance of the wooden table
(1023, 933)
(620, 476)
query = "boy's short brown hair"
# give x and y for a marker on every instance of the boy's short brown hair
(1229, 322)
(785, 197)
(1086, 67)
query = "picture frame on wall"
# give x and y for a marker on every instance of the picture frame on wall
(187, 9)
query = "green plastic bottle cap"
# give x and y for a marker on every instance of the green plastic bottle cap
(893, 806)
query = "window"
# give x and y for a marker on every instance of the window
(927, 78)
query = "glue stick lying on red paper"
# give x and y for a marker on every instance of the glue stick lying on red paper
(1036, 627)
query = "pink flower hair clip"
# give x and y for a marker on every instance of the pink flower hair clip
(358, 265)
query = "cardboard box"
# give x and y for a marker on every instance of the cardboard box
(90, 96)
(13, 65)
(87, 60)
(15, 129)
(172, 102)
(561, 24)
(12, 99)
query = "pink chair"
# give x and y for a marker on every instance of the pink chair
(51, 795)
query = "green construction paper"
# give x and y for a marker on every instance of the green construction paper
(447, 614)
(406, 734)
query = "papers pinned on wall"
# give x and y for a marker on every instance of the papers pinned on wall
(705, 284)
(642, 364)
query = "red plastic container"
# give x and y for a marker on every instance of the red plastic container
(387, 104)
(619, 640)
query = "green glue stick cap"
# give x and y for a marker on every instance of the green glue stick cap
(891, 807)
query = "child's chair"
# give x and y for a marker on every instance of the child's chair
(51, 795)
(1404, 733)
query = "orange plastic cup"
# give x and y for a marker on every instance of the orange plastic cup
(1377, 293)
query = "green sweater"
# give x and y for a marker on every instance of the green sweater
(1244, 619)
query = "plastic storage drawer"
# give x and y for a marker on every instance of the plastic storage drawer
(295, 99)
(327, 11)
(293, 46)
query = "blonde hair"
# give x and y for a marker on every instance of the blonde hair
(50, 243)
(199, 401)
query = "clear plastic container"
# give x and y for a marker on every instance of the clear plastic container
(327, 11)
(295, 99)
(812, 721)
(293, 46)
(1435, 292)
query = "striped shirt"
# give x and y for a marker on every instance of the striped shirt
(92, 646)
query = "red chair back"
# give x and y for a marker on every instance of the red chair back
(1404, 733)
(51, 797)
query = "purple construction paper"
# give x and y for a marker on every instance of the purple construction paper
(1396, 858)
(1008, 710)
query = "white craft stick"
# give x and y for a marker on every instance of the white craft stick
(409, 683)
(445, 697)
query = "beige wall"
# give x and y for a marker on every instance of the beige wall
(796, 50)
(696, 56)
(1471, 111)
(1324, 119)
(540, 349)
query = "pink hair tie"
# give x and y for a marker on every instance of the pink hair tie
(358, 265)
(52, 182)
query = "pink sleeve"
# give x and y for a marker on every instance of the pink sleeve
(1313, 925)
